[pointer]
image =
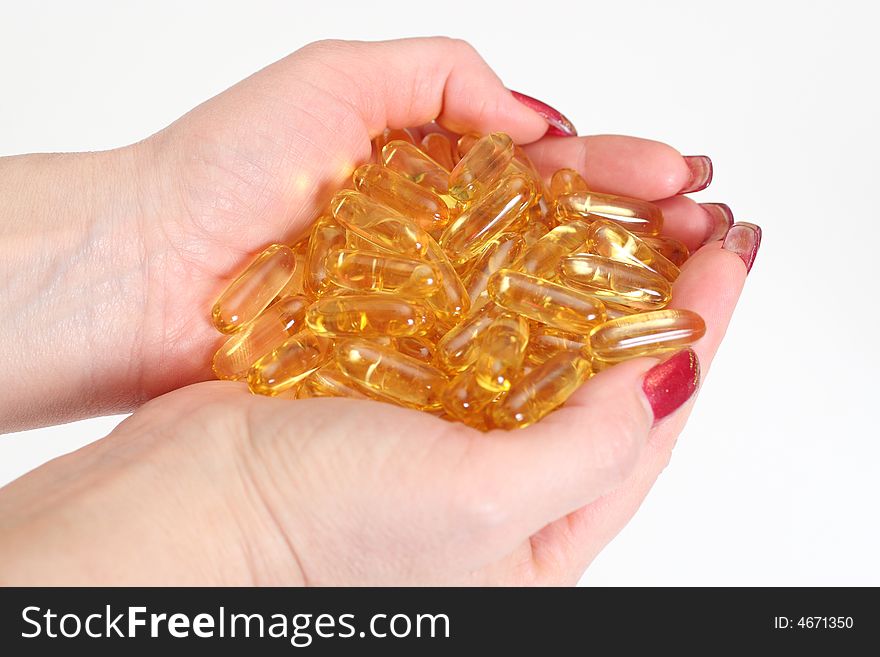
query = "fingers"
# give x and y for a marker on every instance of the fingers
(710, 284)
(694, 223)
(617, 165)
(410, 82)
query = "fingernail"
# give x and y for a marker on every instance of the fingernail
(559, 125)
(701, 173)
(671, 383)
(744, 240)
(721, 217)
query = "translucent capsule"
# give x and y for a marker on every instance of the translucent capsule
(382, 272)
(670, 248)
(616, 282)
(612, 241)
(440, 149)
(288, 364)
(503, 251)
(566, 181)
(545, 302)
(390, 375)
(466, 142)
(416, 347)
(542, 390)
(297, 283)
(326, 236)
(277, 323)
(379, 224)
(329, 381)
(534, 232)
(466, 400)
(546, 341)
(645, 334)
(501, 351)
(543, 257)
(399, 193)
(368, 315)
(408, 160)
(392, 134)
(458, 348)
(634, 214)
(486, 218)
(522, 165)
(451, 300)
(483, 164)
(249, 294)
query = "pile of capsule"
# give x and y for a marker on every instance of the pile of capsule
(451, 279)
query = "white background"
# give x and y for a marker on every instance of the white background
(775, 479)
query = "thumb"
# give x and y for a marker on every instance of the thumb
(410, 82)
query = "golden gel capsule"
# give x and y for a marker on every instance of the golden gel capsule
(440, 149)
(616, 282)
(466, 142)
(466, 400)
(382, 272)
(297, 283)
(534, 232)
(546, 341)
(481, 166)
(399, 193)
(543, 257)
(486, 218)
(408, 160)
(391, 375)
(566, 181)
(612, 241)
(503, 251)
(645, 334)
(542, 390)
(545, 302)
(458, 348)
(329, 381)
(633, 214)
(326, 236)
(367, 315)
(392, 134)
(670, 248)
(274, 325)
(416, 347)
(521, 165)
(450, 302)
(501, 352)
(379, 224)
(289, 363)
(249, 294)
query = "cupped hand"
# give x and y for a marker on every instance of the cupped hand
(210, 484)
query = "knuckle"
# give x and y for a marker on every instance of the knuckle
(616, 454)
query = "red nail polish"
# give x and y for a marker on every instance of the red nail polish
(671, 383)
(744, 240)
(559, 125)
(701, 173)
(722, 219)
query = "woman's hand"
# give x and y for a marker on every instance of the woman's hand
(210, 484)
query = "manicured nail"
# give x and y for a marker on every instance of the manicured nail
(671, 383)
(744, 240)
(701, 173)
(559, 125)
(721, 217)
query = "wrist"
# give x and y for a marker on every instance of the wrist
(71, 285)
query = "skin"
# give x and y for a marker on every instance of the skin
(110, 261)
